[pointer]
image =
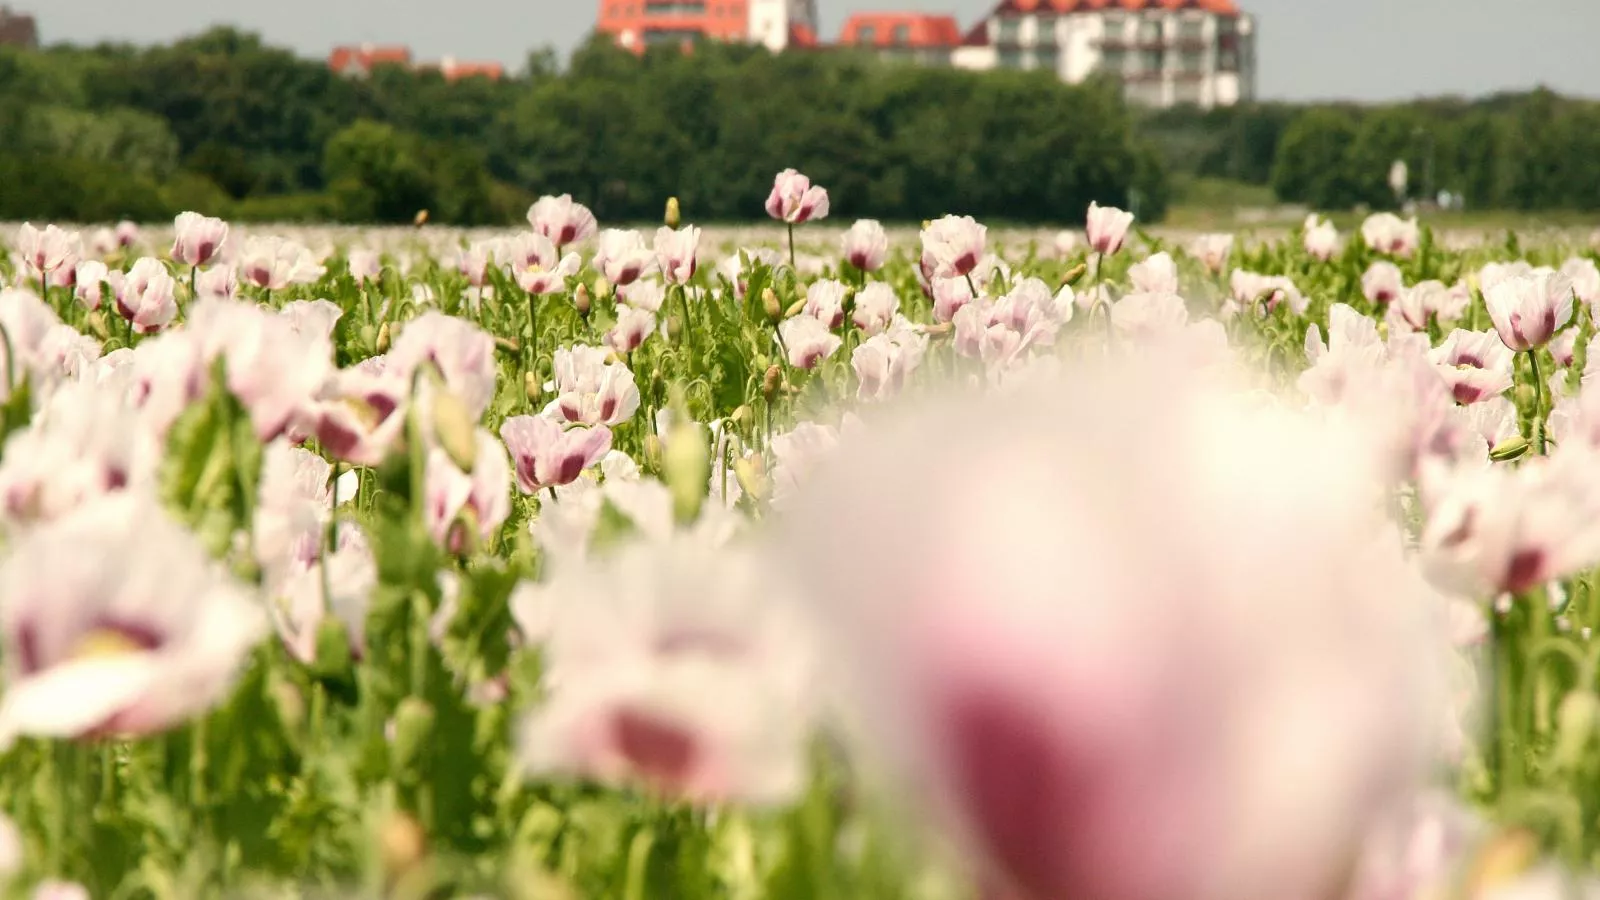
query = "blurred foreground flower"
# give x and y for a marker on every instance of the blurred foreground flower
(1107, 695)
(116, 622)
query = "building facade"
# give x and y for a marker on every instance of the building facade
(778, 25)
(18, 29)
(1164, 52)
(910, 37)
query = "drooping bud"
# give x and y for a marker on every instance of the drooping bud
(751, 472)
(674, 327)
(795, 308)
(401, 846)
(652, 451)
(1509, 449)
(382, 345)
(674, 215)
(685, 460)
(1503, 857)
(602, 288)
(333, 648)
(771, 382)
(770, 304)
(456, 431)
(580, 299)
(421, 218)
(531, 387)
(1576, 722)
(1074, 273)
(741, 414)
(413, 729)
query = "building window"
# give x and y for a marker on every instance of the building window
(1191, 29)
(1114, 26)
(1044, 30)
(1191, 61)
(1009, 29)
(1150, 60)
(1010, 58)
(1149, 30)
(1049, 59)
(865, 35)
(678, 8)
(902, 34)
(1114, 61)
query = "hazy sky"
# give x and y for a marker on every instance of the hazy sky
(1308, 49)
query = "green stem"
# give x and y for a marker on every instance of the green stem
(533, 332)
(792, 264)
(198, 766)
(639, 862)
(1538, 402)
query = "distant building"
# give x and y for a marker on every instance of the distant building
(359, 61)
(18, 29)
(1165, 52)
(637, 25)
(914, 37)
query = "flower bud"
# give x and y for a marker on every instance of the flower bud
(1509, 449)
(1074, 273)
(333, 648)
(580, 299)
(401, 845)
(413, 728)
(685, 461)
(420, 219)
(771, 382)
(674, 327)
(751, 473)
(652, 451)
(674, 215)
(770, 305)
(530, 386)
(1526, 395)
(794, 308)
(1502, 858)
(382, 345)
(461, 538)
(1576, 721)
(602, 288)
(455, 429)
(741, 414)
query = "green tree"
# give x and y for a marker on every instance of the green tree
(377, 173)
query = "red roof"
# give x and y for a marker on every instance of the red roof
(454, 71)
(921, 30)
(1220, 7)
(366, 56)
(801, 35)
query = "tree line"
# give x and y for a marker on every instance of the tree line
(1526, 151)
(225, 123)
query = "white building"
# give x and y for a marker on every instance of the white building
(779, 24)
(1165, 52)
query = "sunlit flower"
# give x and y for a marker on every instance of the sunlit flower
(1212, 250)
(633, 326)
(885, 361)
(952, 246)
(808, 340)
(338, 582)
(866, 245)
(643, 295)
(117, 623)
(1155, 275)
(463, 352)
(676, 253)
(674, 669)
(85, 442)
(148, 297)
(876, 306)
(825, 301)
(590, 390)
(96, 283)
(561, 220)
(1388, 233)
(1476, 365)
(1149, 315)
(1382, 282)
(1565, 347)
(543, 454)
(1321, 238)
(794, 199)
(1107, 228)
(538, 266)
(1585, 278)
(197, 239)
(1026, 709)
(274, 263)
(1527, 310)
(1261, 294)
(46, 251)
(623, 256)
(465, 507)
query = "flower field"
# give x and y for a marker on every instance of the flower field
(798, 562)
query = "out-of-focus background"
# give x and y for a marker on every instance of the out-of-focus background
(1202, 113)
